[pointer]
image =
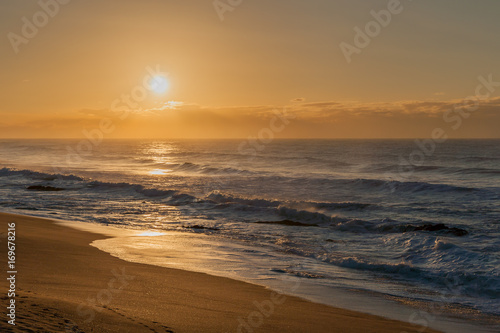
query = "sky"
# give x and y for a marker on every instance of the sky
(228, 68)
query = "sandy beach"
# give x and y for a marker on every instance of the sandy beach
(63, 284)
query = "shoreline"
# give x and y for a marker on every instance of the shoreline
(61, 274)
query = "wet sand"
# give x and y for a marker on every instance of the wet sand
(65, 285)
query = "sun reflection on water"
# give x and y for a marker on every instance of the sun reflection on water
(150, 234)
(159, 172)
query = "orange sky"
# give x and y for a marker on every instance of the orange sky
(65, 75)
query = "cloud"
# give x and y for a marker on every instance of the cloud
(324, 119)
(410, 108)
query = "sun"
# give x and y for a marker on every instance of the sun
(159, 84)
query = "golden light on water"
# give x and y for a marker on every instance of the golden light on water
(159, 172)
(150, 234)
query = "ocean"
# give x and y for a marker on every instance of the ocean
(414, 222)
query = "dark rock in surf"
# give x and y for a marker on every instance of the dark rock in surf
(436, 227)
(44, 188)
(198, 227)
(289, 223)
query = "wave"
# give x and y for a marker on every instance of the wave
(206, 169)
(383, 167)
(451, 282)
(479, 158)
(173, 197)
(226, 198)
(449, 279)
(389, 186)
(218, 197)
(482, 171)
(299, 273)
(303, 217)
(398, 186)
(292, 213)
(431, 168)
(341, 205)
(6, 172)
(288, 222)
(395, 185)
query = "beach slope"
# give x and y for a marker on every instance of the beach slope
(65, 285)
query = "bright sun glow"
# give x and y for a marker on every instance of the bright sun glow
(159, 84)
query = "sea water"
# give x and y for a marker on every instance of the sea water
(413, 221)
